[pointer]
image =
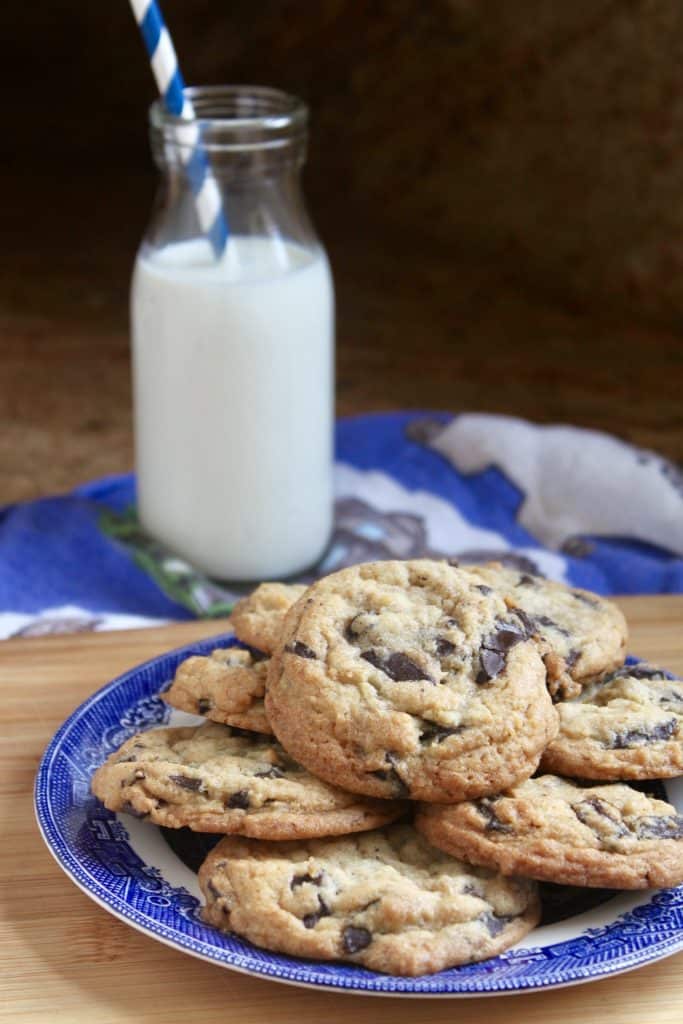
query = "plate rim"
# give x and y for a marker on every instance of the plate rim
(64, 856)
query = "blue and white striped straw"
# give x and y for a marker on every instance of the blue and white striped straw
(170, 83)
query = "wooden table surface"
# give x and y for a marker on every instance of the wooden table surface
(64, 958)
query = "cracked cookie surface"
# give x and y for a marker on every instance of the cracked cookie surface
(409, 679)
(228, 686)
(385, 899)
(580, 633)
(555, 830)
(625, 725)
(212, 778)
(258, 618)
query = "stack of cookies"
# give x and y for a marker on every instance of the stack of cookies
(400, 751)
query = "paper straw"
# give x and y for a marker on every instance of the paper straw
(171, 86)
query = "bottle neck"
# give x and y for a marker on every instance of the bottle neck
(242, 170)
(242, 132)
(253, 142)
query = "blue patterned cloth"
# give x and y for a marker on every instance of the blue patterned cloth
(572, 504)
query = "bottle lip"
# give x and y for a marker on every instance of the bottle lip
(234, 117)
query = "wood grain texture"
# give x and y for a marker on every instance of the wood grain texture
(65, 959)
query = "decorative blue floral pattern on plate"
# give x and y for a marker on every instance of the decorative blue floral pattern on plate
(133, 874)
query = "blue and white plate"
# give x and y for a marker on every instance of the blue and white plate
(129, 868)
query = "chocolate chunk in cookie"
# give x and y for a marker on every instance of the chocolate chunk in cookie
(579, 634)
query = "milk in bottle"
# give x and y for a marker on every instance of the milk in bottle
(232, 369)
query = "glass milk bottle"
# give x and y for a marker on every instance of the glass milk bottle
(233, 350)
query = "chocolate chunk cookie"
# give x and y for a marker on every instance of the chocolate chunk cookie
(226, 687)
(212, 778)
(258, 618)
(384, 899)
(580, 634)
(558, 831)
(626, 725)
(406, 679)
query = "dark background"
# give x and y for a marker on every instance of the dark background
(499, 186)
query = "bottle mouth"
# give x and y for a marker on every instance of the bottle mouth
(233, 118)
